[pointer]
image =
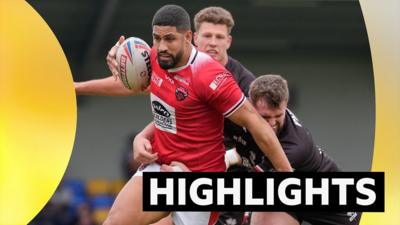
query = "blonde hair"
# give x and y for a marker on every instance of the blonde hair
(215, 15)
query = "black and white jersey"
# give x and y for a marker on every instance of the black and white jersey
(297, 143)
(243, 78)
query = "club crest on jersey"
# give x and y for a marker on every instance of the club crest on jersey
(219, 79)
(181, 93)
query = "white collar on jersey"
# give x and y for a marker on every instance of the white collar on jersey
(192, 55)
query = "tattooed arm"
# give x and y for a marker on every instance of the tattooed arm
(246, 116)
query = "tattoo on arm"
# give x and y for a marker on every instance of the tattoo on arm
(248, 108)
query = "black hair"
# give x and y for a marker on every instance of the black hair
(172, 15)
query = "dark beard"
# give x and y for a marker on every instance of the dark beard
(174, 60)
(165, 65)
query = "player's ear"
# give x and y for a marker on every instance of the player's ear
(195, 37)
(188, 36)
(229, 41)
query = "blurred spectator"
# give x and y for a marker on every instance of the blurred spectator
(84, 215)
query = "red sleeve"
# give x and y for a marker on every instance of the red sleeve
(218, 88)
(153, 53)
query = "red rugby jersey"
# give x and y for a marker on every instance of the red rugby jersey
(189, 104)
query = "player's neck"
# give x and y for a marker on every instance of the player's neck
(224, 60)
(185, 57)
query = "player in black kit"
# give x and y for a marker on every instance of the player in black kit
(269, 94)
(213, 35)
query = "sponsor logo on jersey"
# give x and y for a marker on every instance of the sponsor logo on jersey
(164, 115)
(252, 157)
(294, 118)
(181, 93)
(246, 162)
(240, 140)
(219, 79)
(249, 160)
(169, 79)
(156, 79)
(181, 79)
(160, 109)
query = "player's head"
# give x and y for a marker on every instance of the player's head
(270, 95)
(213, 27)
(172, 35)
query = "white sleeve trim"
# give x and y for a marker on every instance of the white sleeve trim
(235, 106)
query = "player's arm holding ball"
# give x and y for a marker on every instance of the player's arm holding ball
(130, 72)
(108, 86)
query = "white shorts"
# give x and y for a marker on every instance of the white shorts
(182, 218)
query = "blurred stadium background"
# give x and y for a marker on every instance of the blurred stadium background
(320, 46)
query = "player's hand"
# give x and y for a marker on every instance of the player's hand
(112, 58)
(143, 151)
(232, 157)
(174, 167)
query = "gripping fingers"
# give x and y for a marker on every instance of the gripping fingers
(121, 40)
(112, 61)
(147, 157)
(179, 167)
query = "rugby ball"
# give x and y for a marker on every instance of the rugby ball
(133, 57)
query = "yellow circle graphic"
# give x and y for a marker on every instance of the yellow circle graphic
(382, 19)
(37, 112)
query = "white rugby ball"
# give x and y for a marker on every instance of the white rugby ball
(133, 57)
